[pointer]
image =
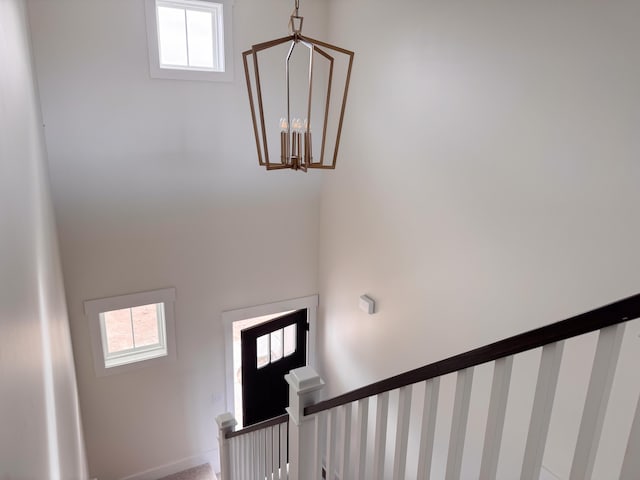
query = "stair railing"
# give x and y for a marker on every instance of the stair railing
(257, 451)
(327, 441)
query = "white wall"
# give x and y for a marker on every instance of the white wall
(156, 184)
(488, 179)
(41, 434)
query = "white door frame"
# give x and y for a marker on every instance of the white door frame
(228, 317)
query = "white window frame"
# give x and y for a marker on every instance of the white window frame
(189, 73)
(109, 363)
(136, 354)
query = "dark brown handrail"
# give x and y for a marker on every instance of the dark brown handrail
(284, 418)
(618, 312)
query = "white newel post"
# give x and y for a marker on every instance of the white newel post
(304, 388)
(226, 422)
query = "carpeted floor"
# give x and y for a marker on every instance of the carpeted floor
(202, 472)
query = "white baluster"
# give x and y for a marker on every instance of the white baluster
(232, 464)
(331, 443)
(361, 432)
(234, 459)
(269, 452)
(495, 420)
(346, 442)
(402, 433)
(284, 464)
(238, 459)
(245, 456)
(304, 385)
(318, 445)
(427, 432)
(631, 463)
(226, 422)
(261, 457)
(275, 452)
(252, 456)
(380, 440)
(595, 407)
(459, 423)
(541, 413)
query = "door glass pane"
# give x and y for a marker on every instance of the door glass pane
(289, 340)
(276, 345)
(117, 327)
(262, 349)
(145, 325)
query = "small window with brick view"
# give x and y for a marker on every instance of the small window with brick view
(131, 329)
(133, 334)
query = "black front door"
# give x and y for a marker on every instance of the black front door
(269, 351)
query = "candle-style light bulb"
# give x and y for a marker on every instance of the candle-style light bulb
(308, 150)
(284, 140)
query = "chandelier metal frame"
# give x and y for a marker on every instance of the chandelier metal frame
(296, 150)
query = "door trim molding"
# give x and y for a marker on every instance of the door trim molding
(228, 317)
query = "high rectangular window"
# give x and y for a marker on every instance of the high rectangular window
(189, 39)
(188, 35)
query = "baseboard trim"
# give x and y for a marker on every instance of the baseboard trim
(210, 457)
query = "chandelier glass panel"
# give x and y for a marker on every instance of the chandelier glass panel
(303, 114)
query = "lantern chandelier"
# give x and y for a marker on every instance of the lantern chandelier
(294, 112)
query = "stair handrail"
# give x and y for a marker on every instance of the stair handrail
(284, 418)
(593, 320)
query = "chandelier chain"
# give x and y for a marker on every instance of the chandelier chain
(293, 27)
